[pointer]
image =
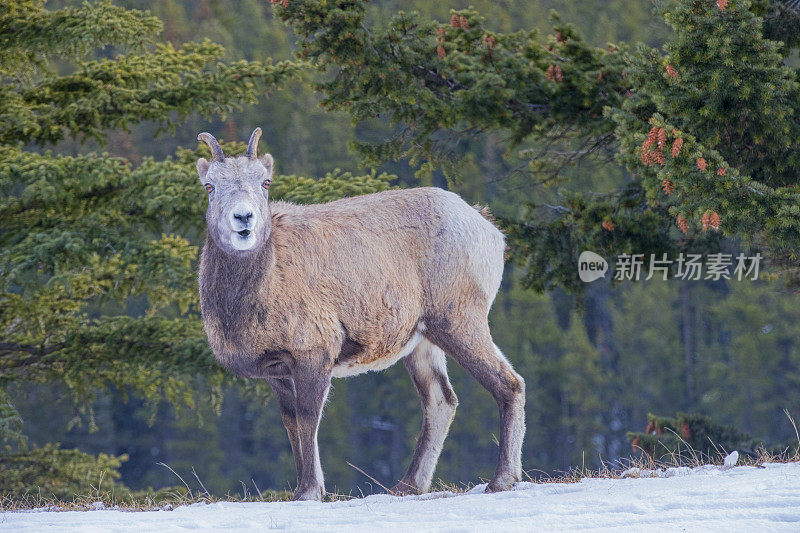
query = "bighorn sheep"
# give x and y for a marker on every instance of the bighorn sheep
(298, 295)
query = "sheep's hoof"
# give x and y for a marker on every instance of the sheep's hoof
(404, 488)
(501, 482)
(312, 494)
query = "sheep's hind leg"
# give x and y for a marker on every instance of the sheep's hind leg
(427, 366)
(283, 389)
(470, 344)
(312, 386)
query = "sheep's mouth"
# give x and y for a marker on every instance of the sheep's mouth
(243, 241)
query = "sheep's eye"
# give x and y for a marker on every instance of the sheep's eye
(266, 183)
(209, 188)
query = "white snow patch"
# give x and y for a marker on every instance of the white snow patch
(667, 472)
(731, 459)
(742, 498)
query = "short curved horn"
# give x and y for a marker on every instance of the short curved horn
(252, 146)
(216, 150)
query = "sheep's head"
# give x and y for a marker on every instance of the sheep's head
(238, 215)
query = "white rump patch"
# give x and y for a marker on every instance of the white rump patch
(347, 369)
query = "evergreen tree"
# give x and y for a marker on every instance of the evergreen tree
(721, 106)
(689, 437)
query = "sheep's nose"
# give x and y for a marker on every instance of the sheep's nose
(243, 218)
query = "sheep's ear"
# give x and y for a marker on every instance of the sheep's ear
(202, 168)
(268, 163)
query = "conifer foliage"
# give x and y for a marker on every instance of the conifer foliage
(439, 82)
(732, 106)
(691, 436)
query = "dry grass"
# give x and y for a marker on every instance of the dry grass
(168, 499)
(162, 500)
(686, 458)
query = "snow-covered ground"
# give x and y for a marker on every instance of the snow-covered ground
(701, 499)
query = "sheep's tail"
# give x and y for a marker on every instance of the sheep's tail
(484, 211)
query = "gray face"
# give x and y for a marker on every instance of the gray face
(238, 215)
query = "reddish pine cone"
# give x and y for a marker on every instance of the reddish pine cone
(682, 224)
(676, 146)
(671, 72)
(652, 135)
(652, 146)
(710, 220)
(714, 220)
(463, 23)
(454, 21)
(722, 4)
(720, 171)
(701, 164)
(608, 225)
(554, 73)
(668, 186)
(489, 41)
(662, 138)
(440, 51)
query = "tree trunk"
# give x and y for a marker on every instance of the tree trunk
(599, 324)
(688, 344)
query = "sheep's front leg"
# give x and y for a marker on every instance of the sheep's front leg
(312, 385)
(283, 389)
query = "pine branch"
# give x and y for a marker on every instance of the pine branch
(10, 348)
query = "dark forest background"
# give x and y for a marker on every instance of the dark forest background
(594, 364)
